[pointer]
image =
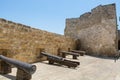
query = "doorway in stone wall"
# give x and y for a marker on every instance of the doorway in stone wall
(118, 44)
(78, 44)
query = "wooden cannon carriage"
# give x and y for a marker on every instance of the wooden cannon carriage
(24, 70)
(56, 59)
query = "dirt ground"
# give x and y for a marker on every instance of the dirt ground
(90, 68)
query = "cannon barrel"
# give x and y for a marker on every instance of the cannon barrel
(71, 53)
(78, 51)
(21, 65)
(50, 55)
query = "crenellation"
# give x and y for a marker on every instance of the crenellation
(97, 9)
(85, 16)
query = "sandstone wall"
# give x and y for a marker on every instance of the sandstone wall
(22, 42)
(97, 30)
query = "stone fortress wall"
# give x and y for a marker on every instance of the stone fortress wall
(22, 42)
(97, 30)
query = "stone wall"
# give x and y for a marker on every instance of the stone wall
(97, 30)
(22, 42)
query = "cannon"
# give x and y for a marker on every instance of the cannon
(25, 68)
(82, 53)
(75, 55)
(52, 58)
(50, 55)
(21, 65)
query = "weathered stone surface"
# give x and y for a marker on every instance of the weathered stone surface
(24, 42)
(97, 30)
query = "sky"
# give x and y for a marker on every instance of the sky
(49, 15)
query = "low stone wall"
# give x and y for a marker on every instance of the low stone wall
(24, 43)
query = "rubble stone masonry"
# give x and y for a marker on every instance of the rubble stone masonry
(97, 30)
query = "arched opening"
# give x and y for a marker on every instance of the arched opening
(118, 44)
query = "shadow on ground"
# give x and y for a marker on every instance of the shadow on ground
(9, 76)
(115, 58)
(58, 65)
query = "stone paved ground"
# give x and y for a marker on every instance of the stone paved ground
(91, 68)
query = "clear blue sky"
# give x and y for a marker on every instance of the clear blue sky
(48, 15)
